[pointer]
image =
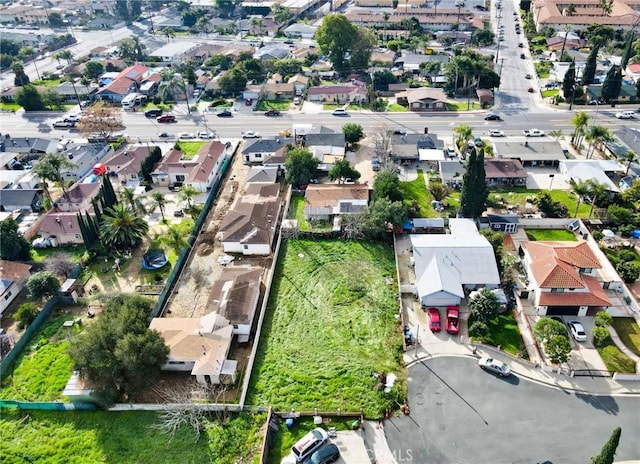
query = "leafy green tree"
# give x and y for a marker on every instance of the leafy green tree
(175, 239)
(628, 51)
(21, 79)
(485, 305)
(186, 193)
(569, 81)
(122, 228)
(360, 53)
(93, 69)
(598, 34)
(27, 313)
(252, 68)
(43, 284)
(589, 71)
(478, 329)
(118, 353)
(342, 170)
(474, 188)
(288, 67)
(336, 37)
(619, 215)
(546, 329)
(172, 87)
(381, 216)
(281, 14)
(482, 37)
(558, 349)
(190, 74)
(13, 245)
(353, 133)
(630, 272)
(122, 9)
(612, 84)
(608, 452)
(50, 168)
(600, 335)
(29, 98)
(233, 81)
(52, 100)
(148, 164)
(386, 184)
(55, 19)
(462, 133)
(300, 166)
(550, 208)
(632, 193)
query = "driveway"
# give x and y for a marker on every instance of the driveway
(461, 414)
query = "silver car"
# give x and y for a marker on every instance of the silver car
(495, 366)
(577, 331)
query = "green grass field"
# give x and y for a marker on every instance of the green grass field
(463, 105)
(543, 235)
(504, 332)
(281, 105)
(616, 360)
(629, 332)
(190, 149)
(395, 108)
(122, 438)
(329, 327)
(44, 367)
(40, 255)
(417, 190)
(519, 195)
(296, 211)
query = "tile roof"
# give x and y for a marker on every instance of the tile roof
(322, 195)
(556, 264)
(595, 296)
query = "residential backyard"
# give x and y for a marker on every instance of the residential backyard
(296, 211)
(544, 235)
(330, 325)
(416, 191)
(124, 437)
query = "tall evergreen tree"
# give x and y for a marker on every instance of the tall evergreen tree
(474, 188)
(608, 452)
(628, 51)
(612, 84)
(589, 71)
(569, 80)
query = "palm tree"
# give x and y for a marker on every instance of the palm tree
(122, 228)
(127, 195)
(174, 238)
(607, 7)
(570, 10)
(172, 85)
(385, 18)
(580, 188)
(631, 158)
(597, 136)
(579, 121)
(439, 191)
(257, 22)
(186, 193)
(138, 47)
(168, 33)
(66, 55)
(159, 201)
(462, 133)
(50, 167)
(556, 134)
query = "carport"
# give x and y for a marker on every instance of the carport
(563, 310)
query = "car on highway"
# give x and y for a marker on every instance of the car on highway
(496, 133)
(452, 323)
(61, 124)
(167, 118)
(531, 90)
(272, 113)
(206, 135)
(72, 118)
(166, 135)
(492, 117)
(522, 56)
(225, 114)
(187, 136)
(495, 366)
(251, 135)
(326, 454)
(433, 314)
(577, 331)
(153, 113)
(339, 112)
(520, 45)
(625, 115)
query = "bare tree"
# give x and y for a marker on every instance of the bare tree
(60, 264)
(353, 226)
(200, 279)
(381, 138)
(100, 119)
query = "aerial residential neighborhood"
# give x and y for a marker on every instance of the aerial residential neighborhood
(357, 231)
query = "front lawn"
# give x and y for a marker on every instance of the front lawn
(123, 437)
(545, 235)
(44, 367)
(416, 190)
(280, 105)
(455, 105)
(550, 93)
(543, 68)
(504, 332)
(40, 255)
(616, 360)
(330, 325)
(190, 149)
(296, 211)
(629, 332)
(9, 107)
(395, 108)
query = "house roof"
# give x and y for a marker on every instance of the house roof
(451, 170)
(581, 170)
(208, 157)
(337, 89)
(266, 145)
(235, 294)
(336, 139)
(262, 174)
(27, 144)
(557, 264)
(12, 197)
(12, 271)
(323, 195)
(58, 223)
(503, 218)
(173, 49)
(128, 161)
(595, 296)
(79, 192)
(423, 93)
(446, 262)
(630, 136)
(504, 168)
(533, 151)
(626, 90)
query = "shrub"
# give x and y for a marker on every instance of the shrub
(597, 235)
(27, 313)
(600, 335)
(478, 329)
(626, 230)
(626, 256)
(602, 319)
(629, 272)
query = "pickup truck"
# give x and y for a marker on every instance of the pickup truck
(533, 133)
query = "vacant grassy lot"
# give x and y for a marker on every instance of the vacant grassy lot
(542, 235)
(330, 326)
(40, 255)
(629, 332)
(122, 437)
(616, 360)
(281, 105)
(463, 105)
(296, 211)
(395, 108)
(417, 190)
(504, 332)
(44, 367)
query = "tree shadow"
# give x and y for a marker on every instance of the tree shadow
(607, 404)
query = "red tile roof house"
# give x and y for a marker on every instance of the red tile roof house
(128, 81)
(563, 279)
(355, 91)
(13, 278)
(200, 172)
(61, 226)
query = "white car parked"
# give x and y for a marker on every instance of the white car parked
(625, 115)
(577, 331)
(495, 366)
(496, 133)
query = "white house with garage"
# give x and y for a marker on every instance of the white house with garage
(448, 264)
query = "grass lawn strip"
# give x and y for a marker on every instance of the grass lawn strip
(296, 211)
(40, 255)
(616, 360)
(330, 326)
(629, 332)
(190, 149)
(43, 368)
(122, 437)
(417, 190)
(542, 235)
(504, 332)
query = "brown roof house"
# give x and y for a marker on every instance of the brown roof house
(199, 346)
(63, 227)
(234, 296)
(423, 99)
(78, 197)
(324, 201)
(500, 171)
(13, 278)
(125, 165)
(563, 278)
(355, 91)
(200, 172)
(250, 226)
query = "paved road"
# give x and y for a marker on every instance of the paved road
(461, 414)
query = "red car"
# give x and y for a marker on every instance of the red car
(453, 321)
(167, 118)
(434, 319)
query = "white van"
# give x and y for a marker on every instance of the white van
(305, 447)
(339, 112)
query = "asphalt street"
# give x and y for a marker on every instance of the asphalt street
(461, 414)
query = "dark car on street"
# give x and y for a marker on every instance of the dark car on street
(492, 117)
(153, 113)
(272, 113)
(225, 114)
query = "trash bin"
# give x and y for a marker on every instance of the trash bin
(426, 130)
(289, 423)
